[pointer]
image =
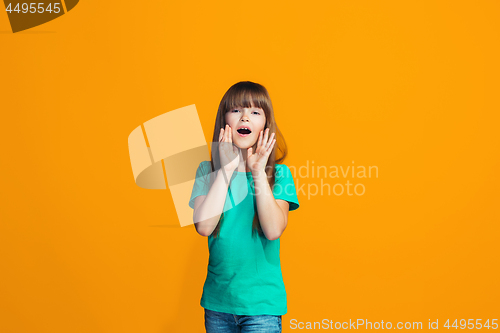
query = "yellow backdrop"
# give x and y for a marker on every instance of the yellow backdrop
(409, 87)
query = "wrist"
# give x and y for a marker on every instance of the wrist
(259, 174)
(226, 171)
(229, 169)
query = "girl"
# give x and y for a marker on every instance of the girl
(241, 199)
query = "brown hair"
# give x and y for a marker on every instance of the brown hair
(244, 94)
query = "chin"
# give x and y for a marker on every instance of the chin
(239, 145)
(243, 145)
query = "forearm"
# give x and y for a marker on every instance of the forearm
(271, 216)
(207, 216)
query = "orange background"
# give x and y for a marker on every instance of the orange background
(411, 87)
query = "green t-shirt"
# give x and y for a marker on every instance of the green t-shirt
(244, 270)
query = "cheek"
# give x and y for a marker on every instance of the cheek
(229, 121)
(261, 128)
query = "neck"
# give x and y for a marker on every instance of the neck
(242, 167)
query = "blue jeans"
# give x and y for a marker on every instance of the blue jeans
(221, 322)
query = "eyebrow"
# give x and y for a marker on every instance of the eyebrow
(254, 108)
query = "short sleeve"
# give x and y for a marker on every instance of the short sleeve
(201, 183)
(284, 186)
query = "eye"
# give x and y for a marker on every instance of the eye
(235, 110)
(256, 112)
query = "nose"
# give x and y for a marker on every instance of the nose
(244, 116)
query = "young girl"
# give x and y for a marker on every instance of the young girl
(241, 199)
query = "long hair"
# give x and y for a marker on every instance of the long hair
(244, 94)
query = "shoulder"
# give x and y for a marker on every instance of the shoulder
(281, 166)
(281, 170)
(204, 167)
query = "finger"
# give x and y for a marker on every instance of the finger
(221, 133)
(230, 135)
(225, 133)
(266, 136)
(271, 138)
(260, 139)
(266, 143)
(249, 152)
(271, 146)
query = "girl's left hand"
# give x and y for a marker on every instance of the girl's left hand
(257, 162)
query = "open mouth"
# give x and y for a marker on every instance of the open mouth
(244, 131)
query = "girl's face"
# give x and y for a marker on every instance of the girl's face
(253, 119)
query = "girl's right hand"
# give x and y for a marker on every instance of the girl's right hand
(228, 153)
